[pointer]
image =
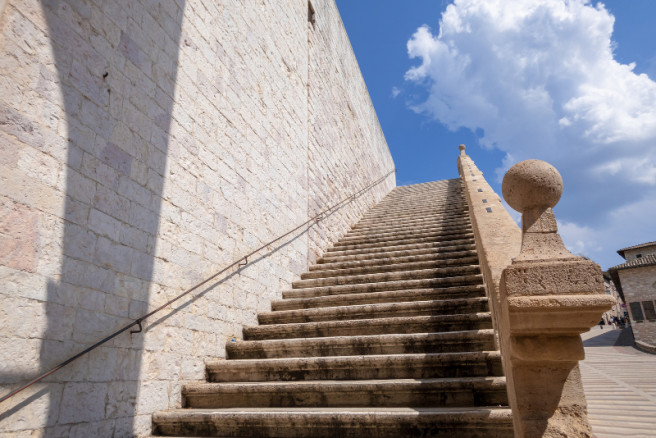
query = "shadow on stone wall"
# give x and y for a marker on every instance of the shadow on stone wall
(118, 99)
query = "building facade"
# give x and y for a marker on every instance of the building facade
(636, 283)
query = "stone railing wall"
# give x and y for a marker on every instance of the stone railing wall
(542, 300)
(498, 238)
(144, 146)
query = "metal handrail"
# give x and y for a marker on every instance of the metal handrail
(240, 263)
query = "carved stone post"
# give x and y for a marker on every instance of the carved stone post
(548, 298)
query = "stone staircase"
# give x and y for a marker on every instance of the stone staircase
(388, 335)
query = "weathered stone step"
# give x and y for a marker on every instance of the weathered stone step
(444, 216)
(440, 236)
(405, 343)
(423, 201)
(377, 326)
(412, 228)
(411, 219)
(419, 197)
(429, 204)
(423, 235)
(453, 240)
(460, 280)
(380, 262)
(469, 291)
(404, 231)
(430, 186)
(452, 246)
(457, 391)
(401, 233)
(372, 311)
(410, 210)
(433, 194)
(380, 366)
(431, 189)
(392, 265)
(449, 271)
(465, 422)
(387, 331)
(431, 201)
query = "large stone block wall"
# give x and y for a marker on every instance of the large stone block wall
(639, 285)
(340, 115)
(143, 147)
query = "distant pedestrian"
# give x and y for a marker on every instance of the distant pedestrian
(602, 323)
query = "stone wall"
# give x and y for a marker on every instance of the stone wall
(144, 146)
(639, 286)
(632, 254)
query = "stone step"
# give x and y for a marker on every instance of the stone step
(418, 203)
(419, 236)
(427, 187)
(425, 198)
(440, 236)
(407, 211)
(382, 286)
(377, 326)
(407, 229)
(457, 391)
(367, 367)
(430, 261)
(408, 208)
(452, 246)
(464, 422)
(406, 295)
(428, 197)
(403, 211)
(388, 335)
(453, 240)
(448, 271)
(420, 199)
(372, 311)
(381, 262)
(404, 343)
(411, 220)
(402, 233)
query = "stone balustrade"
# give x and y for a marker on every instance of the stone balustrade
(543, 297)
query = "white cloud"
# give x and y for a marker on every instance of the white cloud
(622, 227)
(395, 91)
(580, 240)
(539, 79)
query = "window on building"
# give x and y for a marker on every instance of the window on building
(638, 256)
(648, 307)
(636, 312)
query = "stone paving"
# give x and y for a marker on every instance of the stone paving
(620, 385)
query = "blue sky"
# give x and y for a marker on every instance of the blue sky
(569, 82)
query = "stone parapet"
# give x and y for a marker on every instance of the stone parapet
(543, 300)
(498, 238)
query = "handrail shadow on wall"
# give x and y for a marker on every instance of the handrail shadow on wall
(241, 264)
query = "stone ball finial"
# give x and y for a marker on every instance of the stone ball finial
(461, 147)
(532, 184)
